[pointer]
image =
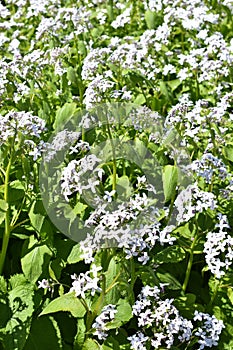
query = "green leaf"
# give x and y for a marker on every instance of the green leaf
(186, 305)
(82, 47)
(79, 208)
(124, 311)
(113, 269)
(80, 336)
(172, 254)
(21, 305)
(3, 209)
(17, 280)
(165, 90)
(67, 302)
(75, 254)
(230, 294)
(36, 256)
(5, 312)
(63, 115)
(174, 84)
(110, 344)
(3, 285)
(37, 215)
(123, 187)
(140, 99)
(170, 179)
(16, 191)
(71, 75)
(228, 152)
(123, 315)
(150, 19)
(91, 344)
(44, 334)
(166, 277)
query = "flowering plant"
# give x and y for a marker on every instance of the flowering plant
(116, 165)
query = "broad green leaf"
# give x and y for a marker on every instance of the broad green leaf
(91, 344)
(3, 209)
(123, 187)
(80, 336)
(79, 208)
(164, 89)
(173, 84)
(123, 315)
(124, 311)
(140, 99)
(230, 294)
(150, 19)
(228, 152)
(37, 215)
(63, 115)
(113, 269)
(147, 275)
(71, 75)
(17, 280)
(44, 334)
(75, 255)
(170, 179)
(67, 302)
(16, 191)
(82, 47)
(186, 304)
(166, 277)
(21, 305)
(110, 344)
(170, 255)
(36, 255)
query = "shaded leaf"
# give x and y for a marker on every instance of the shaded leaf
(35, 256)
(170, 255)
(44, 334)
(67, 302)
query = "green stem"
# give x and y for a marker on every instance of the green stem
(6, 235)
(114, 165)
(190, 263)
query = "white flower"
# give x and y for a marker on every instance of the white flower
(108, 196)
(209, 330)
(122, 19)
(84, 283)
(106, 316)
(191, 201)
(218, 248)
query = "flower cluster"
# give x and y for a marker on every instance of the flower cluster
(107, 315)
(23, 128)
(75, 176)
(191, 201)
(161, 320)
(208, 166)
(218, 248)
(15, 123)
(209, 329)
(162, 317)
(84, 282)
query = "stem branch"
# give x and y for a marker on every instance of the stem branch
(190, 263)
(6, 235)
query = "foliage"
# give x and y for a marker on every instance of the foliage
(163, 279)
